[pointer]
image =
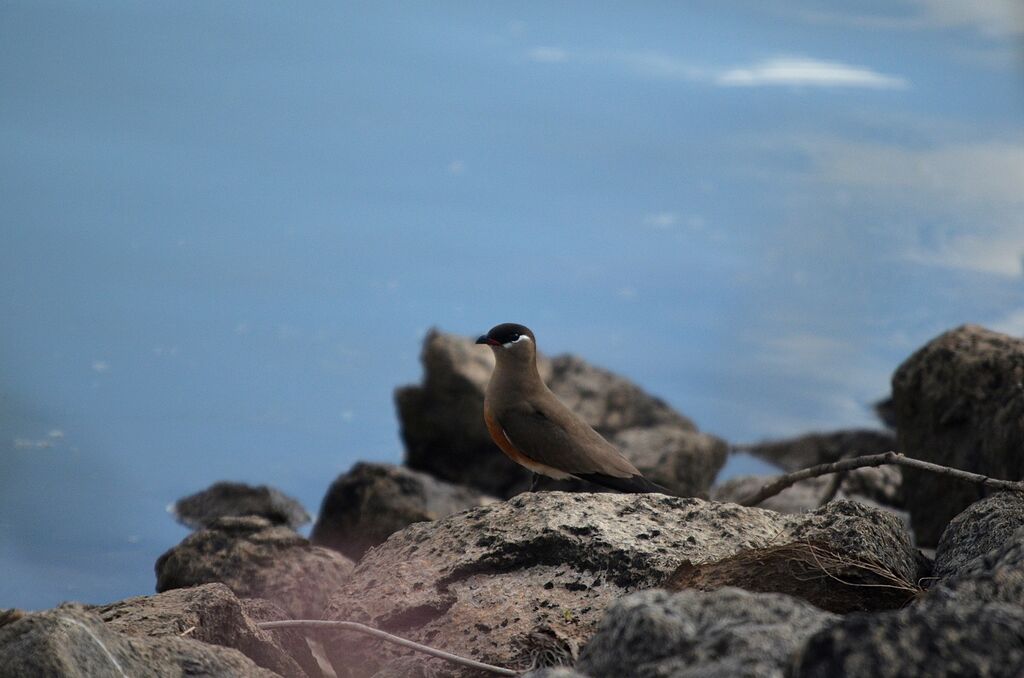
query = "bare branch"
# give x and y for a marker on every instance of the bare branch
(377, 633)
(773, 487)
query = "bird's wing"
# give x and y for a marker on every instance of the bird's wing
(554, 436)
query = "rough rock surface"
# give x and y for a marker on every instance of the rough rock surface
(843, 557)
(522, 583)
(72, 642)
(365, 506)
(875, 486)
(256, 560)
(982, 527)
(729, 633)
(238, 499)
(681, 460)
(995, 577)
(821, 448)
(959, 402)
(443, 429)
(931, 640)
(210, 613)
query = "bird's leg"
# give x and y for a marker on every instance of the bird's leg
(534, 482)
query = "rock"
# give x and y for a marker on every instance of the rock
(608, 402)
(299, 644)
(523, 582)
(444, 434)
(72, 642)
(210, 613)
(935, 641)
(238, 499)
(792, 454)
(983, 527)
(679, 459)
(959, 402)
(555, 672)
(872, 485)
(800, 497)
(843, 557)
(364, 506)
(728, 633)
(256, 560)
(994, 577)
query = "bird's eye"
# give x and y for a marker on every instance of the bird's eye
(515, 336)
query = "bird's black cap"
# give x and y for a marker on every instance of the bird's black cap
(505, 333)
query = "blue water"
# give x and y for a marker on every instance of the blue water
(225, 229)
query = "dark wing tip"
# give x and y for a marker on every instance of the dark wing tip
(631, 485)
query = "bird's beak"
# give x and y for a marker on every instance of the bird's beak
(484, 339)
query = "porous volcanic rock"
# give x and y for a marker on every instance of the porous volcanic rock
(994, 577)
(444, 433)
(365, 506)
(238, 499)
(959, 402)
(523, 582)
(729, 633)
(843, 557)
(257, 560)
(210, 613)
(72, 642)
(937, 641)
(982, 527)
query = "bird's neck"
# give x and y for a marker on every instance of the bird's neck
(515, 373)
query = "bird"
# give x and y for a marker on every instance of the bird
(536, 430)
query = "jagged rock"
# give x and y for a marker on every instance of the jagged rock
(210, 613)
(679, 459)
(728, 633)
(443, 429)
(872, 485)
(256, 560)
(522, 583)
(72, 642)
(843, 557)
(982, 527)
(298, 643)
(930, 640)
(993, 577)
(798, 498)
(821, 448)
(238, 499)
(608, 402)
(959, 403)
(364, 506)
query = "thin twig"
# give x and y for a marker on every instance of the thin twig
(369, 630)
(833, 488)
(773, 487)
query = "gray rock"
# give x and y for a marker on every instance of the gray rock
(871, 485)
(298, 643)
(729, 633)
(842, 557)
(256, 560)
(994, 577)
(364, 506)
(522, 583)
(821, 448)
(959, 402)
(932, 640)
(681, 460)
(72, 642)
(982, 527)
(210, 613)
(608, 402)
(238, 499)
(555, 672)
(444, 434)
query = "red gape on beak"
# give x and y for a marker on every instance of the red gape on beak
(484, 339)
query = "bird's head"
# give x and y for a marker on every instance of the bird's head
(511, 341)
